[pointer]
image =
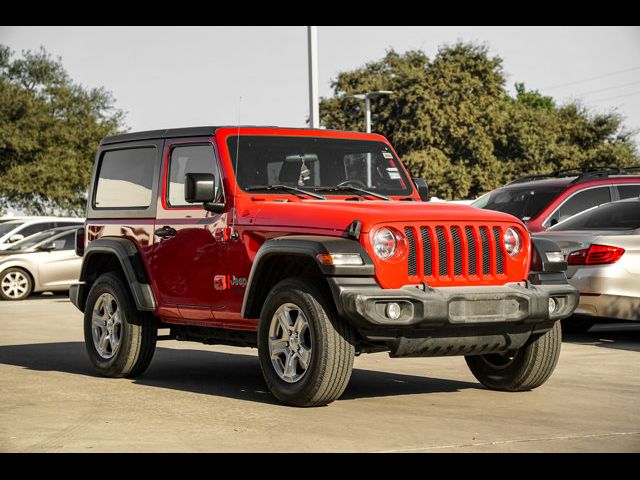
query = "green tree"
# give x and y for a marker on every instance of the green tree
(50, 128)
(454, 123)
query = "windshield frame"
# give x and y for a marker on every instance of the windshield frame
(229, 134)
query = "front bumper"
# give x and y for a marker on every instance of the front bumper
(514, 303)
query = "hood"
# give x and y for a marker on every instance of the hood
(338, 214)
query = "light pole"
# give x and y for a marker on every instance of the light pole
(367, 104)
(367, 119)
(314, 112)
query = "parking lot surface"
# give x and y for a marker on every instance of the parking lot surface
(213, 399)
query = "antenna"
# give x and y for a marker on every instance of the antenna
(234, 217)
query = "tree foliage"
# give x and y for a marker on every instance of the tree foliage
(50, 128)
(454, 123)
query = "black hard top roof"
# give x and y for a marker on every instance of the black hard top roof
(176, 133)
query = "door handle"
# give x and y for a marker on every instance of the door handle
(165, 232)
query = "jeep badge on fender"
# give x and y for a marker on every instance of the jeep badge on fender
(313, 246)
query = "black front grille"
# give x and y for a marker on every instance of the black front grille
(412, 268)
(426, 251)
(471, 248)
(457, 251)
(486, 254)
(499, 255)
(442, 251)
(460, 241)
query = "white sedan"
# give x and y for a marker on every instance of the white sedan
(602, 248)
(46, 261)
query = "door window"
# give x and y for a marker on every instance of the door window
(580, 202)
(188, 159)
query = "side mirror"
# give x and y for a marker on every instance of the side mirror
(422, 187)
(15, 237)
(47, 247)
(202, 188)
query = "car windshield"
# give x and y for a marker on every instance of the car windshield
(33, 240)
(524, 203)
(6, 227)
(326, 165)
(612, 216)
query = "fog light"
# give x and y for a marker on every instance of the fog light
(393, 311)
(553, 305)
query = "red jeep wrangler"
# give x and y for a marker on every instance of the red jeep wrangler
(313, 246)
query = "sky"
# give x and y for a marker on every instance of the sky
(167, 77)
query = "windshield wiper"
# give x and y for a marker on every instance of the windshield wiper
(285, 188)
(349, 188)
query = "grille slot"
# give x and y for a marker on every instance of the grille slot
(484, 236)
(412, 264)
(471, 248)
(442, 252)
(426, 251)
(499, 254)
(457, 251)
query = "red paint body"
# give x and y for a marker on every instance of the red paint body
(188, 269)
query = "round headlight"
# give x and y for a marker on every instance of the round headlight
(512, 242)
(385, 243)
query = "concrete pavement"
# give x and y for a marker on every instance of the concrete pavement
(203, 398)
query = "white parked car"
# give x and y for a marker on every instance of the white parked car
(602, 247)
(14, 230)
(44, 262)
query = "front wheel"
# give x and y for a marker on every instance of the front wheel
(306, 352)
(120, 341)
(15, 284)
(525, 369)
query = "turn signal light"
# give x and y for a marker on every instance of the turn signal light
(595, 255)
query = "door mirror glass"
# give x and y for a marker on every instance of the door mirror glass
(422, 187)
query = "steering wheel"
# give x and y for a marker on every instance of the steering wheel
(353, 183)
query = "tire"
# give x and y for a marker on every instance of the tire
(577, 324)
(527, 369)
(15, 284)
(327, 341)
(130, 349)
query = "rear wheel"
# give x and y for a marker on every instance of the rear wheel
(15, 284)
(525, 369)
(119, 339)
(306, 352)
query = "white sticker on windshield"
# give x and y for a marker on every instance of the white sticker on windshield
(393, 173)
(387, 155)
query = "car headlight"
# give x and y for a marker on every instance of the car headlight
(385, 243)
(512, 241)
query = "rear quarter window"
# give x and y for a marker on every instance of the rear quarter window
(125, 178)
(629, 191)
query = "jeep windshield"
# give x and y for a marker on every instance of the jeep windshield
(524, 203)
(331, 166)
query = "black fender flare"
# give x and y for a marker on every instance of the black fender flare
(128, 256)
(308, 246)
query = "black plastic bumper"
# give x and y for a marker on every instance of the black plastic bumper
(365, 304)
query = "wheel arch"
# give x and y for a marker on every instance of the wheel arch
(115, 255)
(296, 255)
